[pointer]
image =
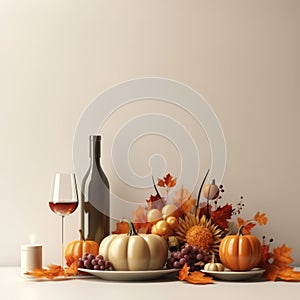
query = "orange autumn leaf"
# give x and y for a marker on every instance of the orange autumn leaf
(248, 226)
(168, 181)
(221, 215)
(121, 227)
(184, 272)
(161, 182)
(261, 219)
(184, 201)
(199, 278)
(282, 256)
(139, 215)
(54, 271)
(72, 270)
(279, 268)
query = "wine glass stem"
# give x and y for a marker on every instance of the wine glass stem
(62, 241)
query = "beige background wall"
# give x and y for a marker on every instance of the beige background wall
(56, 56)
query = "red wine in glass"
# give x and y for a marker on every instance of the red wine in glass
(63, 200)
(63, 208)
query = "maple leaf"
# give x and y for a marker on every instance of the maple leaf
(221, 215)
(121, 227)
(161, 182)
(168, 181)
(248, 226)
(261, 219)
(279, 268)
(156, 202)
(184, 272)
(199, 278)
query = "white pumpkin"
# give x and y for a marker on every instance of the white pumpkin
(134, 252)
(214, 266)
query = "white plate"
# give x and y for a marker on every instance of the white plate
(234, 276)
(130, 275)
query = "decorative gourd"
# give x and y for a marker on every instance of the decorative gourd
(173, 222)
(134, 252)
(76, 249)
(154, 215)
(169, 210)
(211, 191)
(214, 266)
(161, 228)
(240, 252)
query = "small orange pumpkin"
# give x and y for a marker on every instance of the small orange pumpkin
(211, 191)
(76, 249)
(240, 252)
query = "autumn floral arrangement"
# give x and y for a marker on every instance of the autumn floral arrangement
(199, 232)
(193, 237)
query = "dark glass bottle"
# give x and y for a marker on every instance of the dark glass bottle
(95, 196)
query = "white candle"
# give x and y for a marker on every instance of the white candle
(31, 257)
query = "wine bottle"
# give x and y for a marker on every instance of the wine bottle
(95, 196)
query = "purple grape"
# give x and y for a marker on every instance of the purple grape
(107, 264)
(96, 267)
(102, 268)
(99, 257)
(80, 263)
(182, 261)
(94, 262)
(199, 257)
(101, 262)
(177, 265)
(90, 256)
(87, 263)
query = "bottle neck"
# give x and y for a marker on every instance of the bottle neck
(95, 149)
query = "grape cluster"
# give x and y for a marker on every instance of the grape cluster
(92, 262)
(193, 256)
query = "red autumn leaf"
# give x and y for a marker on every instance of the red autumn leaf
(279, 268)
(156, 202)
(184, 272)
(248, 226)
(121, 227)
(221, 215)
(265, 255)
(261, 219)
(199, 278)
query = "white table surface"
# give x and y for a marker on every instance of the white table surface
(13, 286)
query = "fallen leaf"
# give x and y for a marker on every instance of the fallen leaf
(199, 278)
(261, 219)
(54, 271)
(221, 215)
(184, 272)
(279, 268)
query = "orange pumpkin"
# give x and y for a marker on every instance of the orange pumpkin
(76, 249)
(240, 252)
(211, 191)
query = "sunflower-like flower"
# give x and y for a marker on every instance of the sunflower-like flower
(199, 232)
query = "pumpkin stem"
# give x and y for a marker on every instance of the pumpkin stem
(240, 232)
(81, 235)
(132, 230)
(213, 258)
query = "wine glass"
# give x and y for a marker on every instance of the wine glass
(63, 199)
